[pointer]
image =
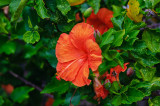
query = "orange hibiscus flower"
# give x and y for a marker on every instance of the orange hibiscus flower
(49, 102)
(8, 88)
(102, 20)
(76, 53)
(114, 72)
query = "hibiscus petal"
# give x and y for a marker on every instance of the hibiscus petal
(80, 33)
(69, 70)
(65, 51)
(94, 54)
(82, 76)
(105, 15)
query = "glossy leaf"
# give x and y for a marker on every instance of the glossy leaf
(41, 10)
(17, 8)
(95, 4)
(63, 6)
(61, 86)
(152, 40)
(21, 93)
(31, 37)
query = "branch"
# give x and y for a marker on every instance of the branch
(29, 83)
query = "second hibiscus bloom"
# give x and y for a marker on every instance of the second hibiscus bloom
(102, 20)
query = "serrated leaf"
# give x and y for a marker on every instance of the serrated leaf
(155, 101)
(95, 4)
(115, 87)
(31, 37)
(17, 7)
(41, 10)
(147, 73)
(110, 54)
(134, 95)
(156, 81)
(116, 100)
(118, 38)
(152, 40)
(61, 86)
(107, 37)
(63, 6)
(145, 59)
(21, 93)
(117, 21)
(134, 82)
(124, 89)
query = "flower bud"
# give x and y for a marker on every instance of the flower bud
(107, 84)
(130, 71)
(88, 12)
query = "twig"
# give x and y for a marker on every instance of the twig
(73, 95)
(29, 83)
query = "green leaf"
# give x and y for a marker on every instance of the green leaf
(30, 17)
(117, 21)
(65, 27)
(156, 81)
(119, 60)
(8, 48)
(31, 50)
(115, 87)
(63, 6)
(95, 4)
(51, 57)
(155, 101)
(147, 73)
(61, 86)
(41, 10)
(21, 93)
(144, 57)
(107, 37)
(117, 11)
(75, 99)
(134, 95)
(106, 65)
(1, 100)
(116, 100)
(110, 54)
(125, 99)
(31, 37)
(124, 89)
(118, 38)
(4, 2)
(17, 7)
(4, 24)
(51, 4)
(134, 82)
(151, 3)
(152, 40)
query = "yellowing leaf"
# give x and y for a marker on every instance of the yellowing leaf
(133, 11)
(75, 2)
